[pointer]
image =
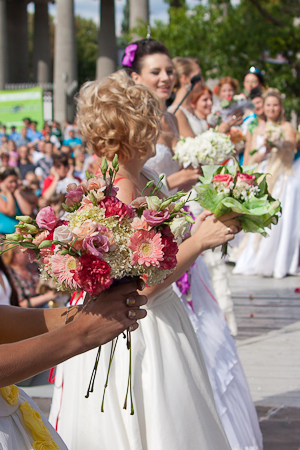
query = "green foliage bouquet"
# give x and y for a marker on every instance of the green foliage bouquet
(241, 190)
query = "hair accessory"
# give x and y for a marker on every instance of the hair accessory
(255, 70)
(129, 55)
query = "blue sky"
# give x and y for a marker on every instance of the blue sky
(90, 10)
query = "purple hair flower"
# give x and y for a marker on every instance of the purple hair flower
(129, 55)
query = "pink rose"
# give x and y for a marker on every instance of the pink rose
(229, 98)
(223, 178)
(85, 229)
(75, 195)
(245, 178)
(139, 202)
(46, 218)
(140, 223)
(156, 217)
(96, 183)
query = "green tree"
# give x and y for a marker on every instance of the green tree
(87, 48)
(229, 39)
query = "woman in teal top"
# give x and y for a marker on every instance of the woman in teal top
(12, 203)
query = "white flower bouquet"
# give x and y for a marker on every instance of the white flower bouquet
(210, 147)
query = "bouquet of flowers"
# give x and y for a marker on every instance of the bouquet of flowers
(274, 134)
(241, 190)
(210, 147)
(102, 240)
(232, 103)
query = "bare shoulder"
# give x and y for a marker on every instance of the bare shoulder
(127, 190)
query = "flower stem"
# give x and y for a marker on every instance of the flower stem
(224, 250)
(93, 376)
(112, 352)
(129, 384)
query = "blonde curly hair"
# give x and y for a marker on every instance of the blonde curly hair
(117, 116)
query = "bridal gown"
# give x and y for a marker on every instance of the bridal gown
(278, 254)
(172, 396)
(173, 402)
(230, 389)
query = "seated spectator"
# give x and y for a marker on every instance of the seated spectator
(53, 139)
(13, 154)
(56, 201)
(25, 277)
(31, 180)
(56, 131)
(25, 164)
(3, 131)
(72, 141)
(12, 202)
(4, 160)
(45, 164)
(14, 135)
(32, 134)
(23, 139)
(8, 293)
(37, 152)
(4, 140)
(66, 149)
(61, 176)
(79, 156)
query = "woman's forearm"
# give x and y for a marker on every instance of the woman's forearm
(21, 360)
(25, 206)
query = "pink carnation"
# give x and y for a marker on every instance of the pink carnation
(170, 249)
(147, 248)
(46, 218)
(114, 207)
(40, 237)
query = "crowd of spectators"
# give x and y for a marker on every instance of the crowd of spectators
(35, 168)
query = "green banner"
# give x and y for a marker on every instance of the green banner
(16, 105)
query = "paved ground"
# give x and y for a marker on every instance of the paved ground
(268, 316)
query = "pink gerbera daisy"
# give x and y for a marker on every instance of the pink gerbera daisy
(147, 248)
(64, 267)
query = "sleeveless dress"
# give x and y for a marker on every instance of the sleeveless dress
(277, 255)
(22, 424)
(231, 392)
(173, 401)
(7, 223)
(213, 259)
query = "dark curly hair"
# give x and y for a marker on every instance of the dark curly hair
(145, 47)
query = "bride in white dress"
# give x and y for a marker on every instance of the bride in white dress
(173, 401)
(277, 255)
(230, 389)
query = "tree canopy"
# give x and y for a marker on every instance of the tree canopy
(229, 39)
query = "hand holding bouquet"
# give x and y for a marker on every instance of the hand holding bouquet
(210, 147)
(241, 190)
(102, 240)
(232, 103)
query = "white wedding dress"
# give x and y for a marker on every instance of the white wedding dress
(231, 392)
(173, 401)
(278, 254)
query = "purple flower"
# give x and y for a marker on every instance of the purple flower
(96, 245)
(129, 55)
(155, 218)
(75, 195)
